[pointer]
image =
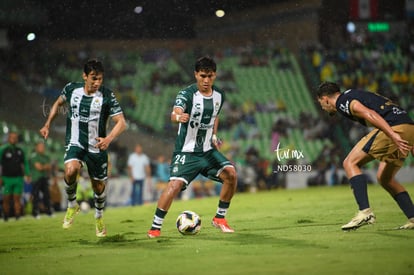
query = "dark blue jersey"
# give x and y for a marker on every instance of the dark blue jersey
(389, 111)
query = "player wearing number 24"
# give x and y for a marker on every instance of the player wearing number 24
(196, 110)
(390, 142)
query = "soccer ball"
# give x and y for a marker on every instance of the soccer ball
(85, 207)
(188, 223)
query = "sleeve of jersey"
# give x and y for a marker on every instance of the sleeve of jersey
(181, 100)
(65, 91)
(115, 106)
(223, 99)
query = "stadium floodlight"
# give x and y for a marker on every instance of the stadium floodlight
(220, 13)
(31, 36)
(350, 27)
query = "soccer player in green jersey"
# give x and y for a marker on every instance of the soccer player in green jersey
(196, 110)
(89, 106)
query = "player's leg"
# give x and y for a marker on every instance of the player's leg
(97, 168)
(173, 188)
(358, 181)
(221, 169)
(386, 177)
(184, 168)
(228, 177)
(71, 177)
(99, 187)
(73, 165)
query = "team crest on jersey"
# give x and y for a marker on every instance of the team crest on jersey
(175, 169)
(96, 104)
(217, 105)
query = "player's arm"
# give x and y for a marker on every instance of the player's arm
(44, 131)
(214, 139)
(119, 127)
(178, 115)
(361, 111)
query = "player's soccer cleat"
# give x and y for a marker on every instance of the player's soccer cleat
(100, 227)
(153, 233)
(221, 223)
(363, 217)
(70, 214)
(408, 225)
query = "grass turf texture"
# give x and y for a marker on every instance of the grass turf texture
(281, 231)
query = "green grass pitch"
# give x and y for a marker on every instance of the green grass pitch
(277, 232)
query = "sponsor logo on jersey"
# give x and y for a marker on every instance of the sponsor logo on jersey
(83, 119)
(204, 126)
(398, 111)
(196, 115)
(345, 108)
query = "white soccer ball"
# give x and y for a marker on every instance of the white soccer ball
(188, 223)
(85, 207)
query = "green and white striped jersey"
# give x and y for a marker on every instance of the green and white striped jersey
(87, 115)
(195, 135)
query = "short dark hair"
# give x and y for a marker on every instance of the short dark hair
(327, 88)
(206, 64)
(93, 65)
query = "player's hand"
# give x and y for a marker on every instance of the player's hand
(102, 144)
(402, 144)
(183, 118)
(216, 141)
(44, 132)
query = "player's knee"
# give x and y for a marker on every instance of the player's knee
(174, 186)
(348, 165)
(229, 175)
(345, 163)
(71, 173)
(98, 186)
